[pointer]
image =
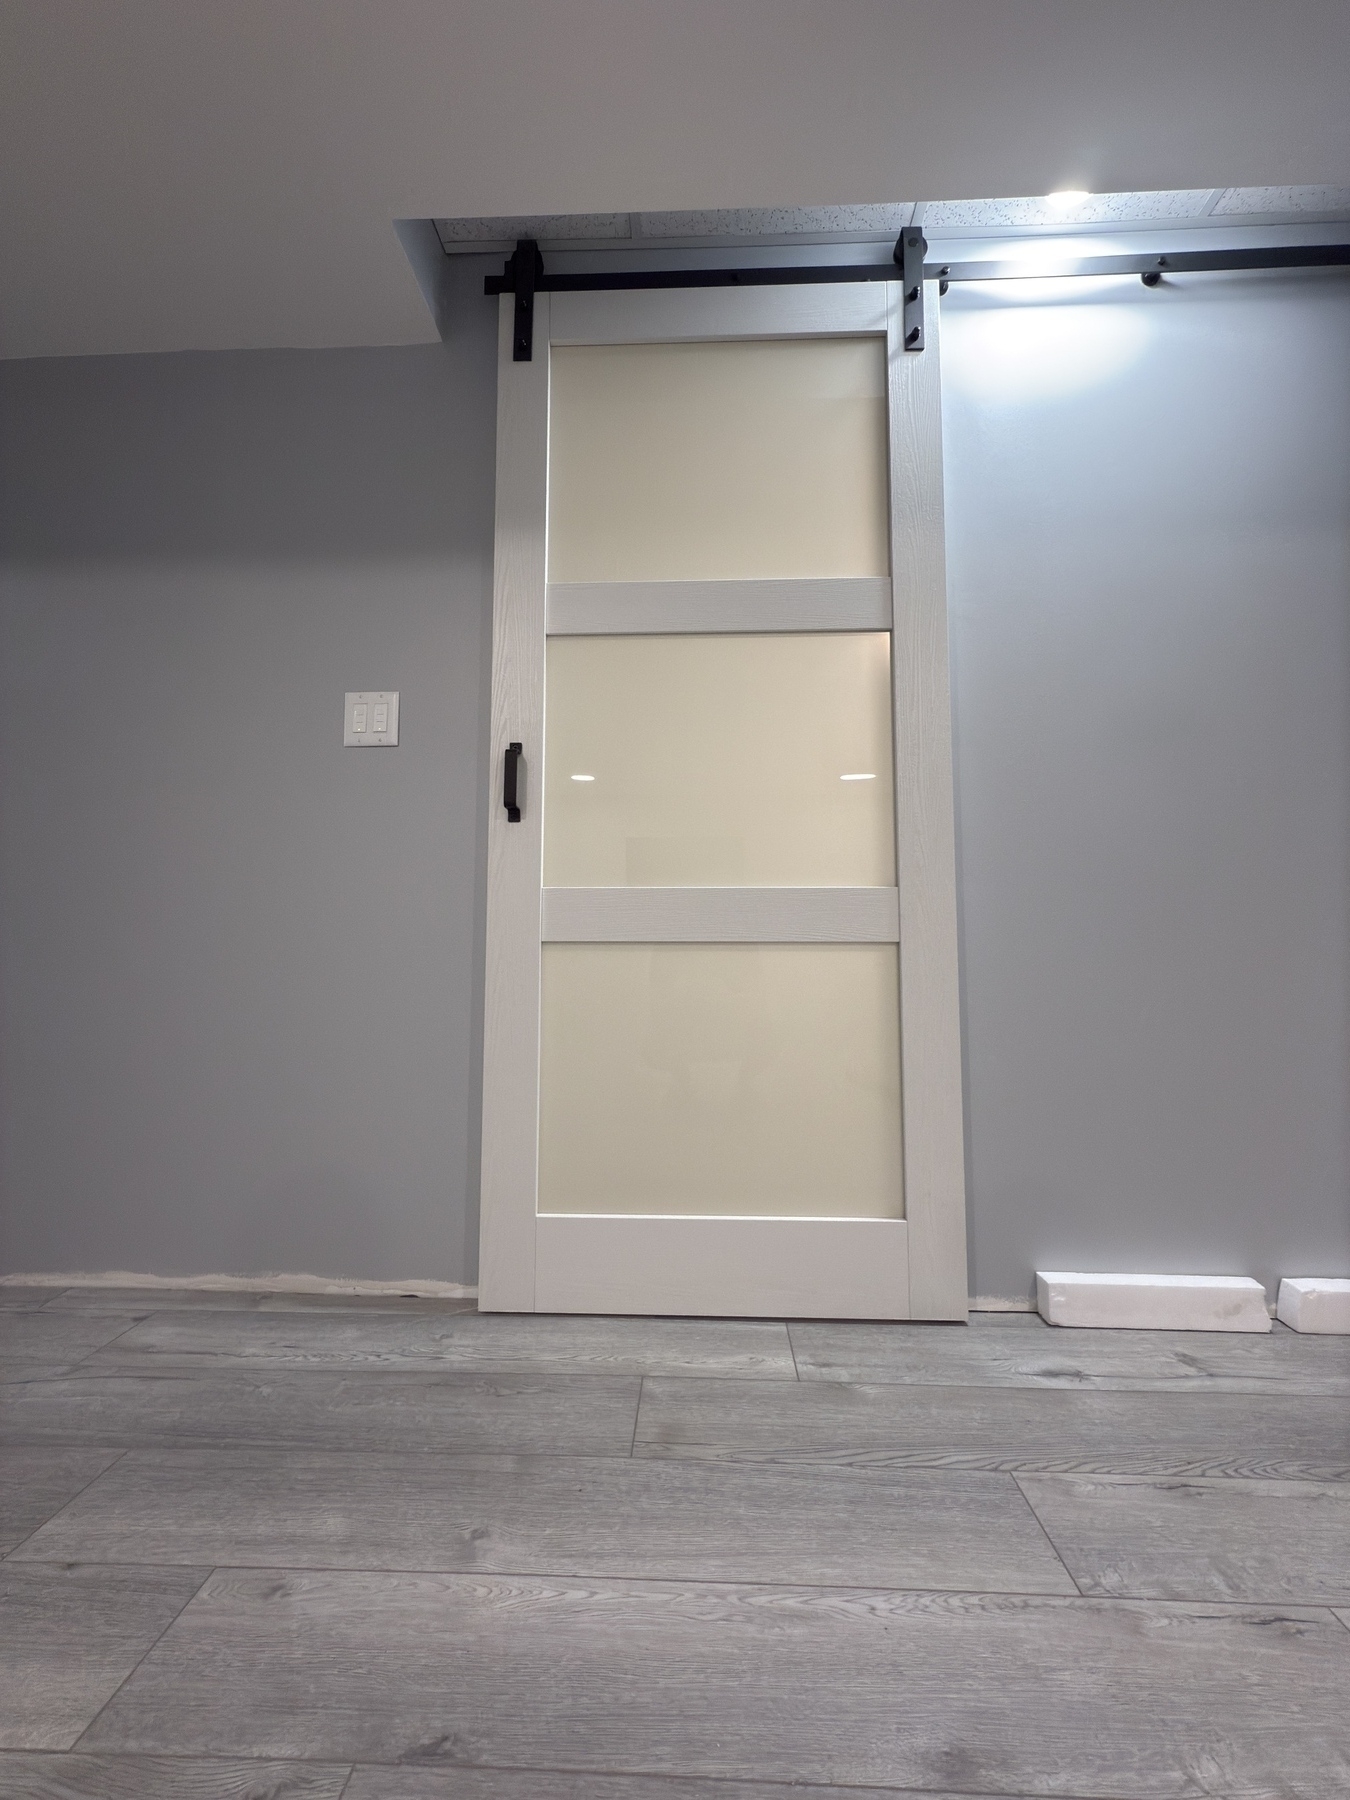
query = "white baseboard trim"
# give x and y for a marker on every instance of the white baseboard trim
(996, 1303)
(1318, 1303)
(1153, 1302)
(419, 1288)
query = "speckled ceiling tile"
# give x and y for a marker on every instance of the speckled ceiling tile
(553, 226)
(1096, 209)
(1284, 200)
(777, 221)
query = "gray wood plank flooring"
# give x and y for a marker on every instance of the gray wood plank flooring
(560, 1516)
(370, 1783)
(1199, 1540)
(492, 1343)
(1021, 1350)
(73, 1776)
(1304, 1435)
(452, 1411)
(146, 1300)
(36, 1483)
(29, 1775)
(16, 1297)
(447, 1557)
(833, 1686)
(69, 1637)
(38, 1340)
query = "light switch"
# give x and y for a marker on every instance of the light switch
(370, 719)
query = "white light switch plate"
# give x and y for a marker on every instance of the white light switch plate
(370, 719)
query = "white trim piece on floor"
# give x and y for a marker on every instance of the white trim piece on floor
(1318, 1303)
(721, 915)
(995, 1303)
(845, 603)
(1153, 1302)
(419, 1287)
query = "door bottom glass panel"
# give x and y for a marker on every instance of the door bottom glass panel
(721, 1080)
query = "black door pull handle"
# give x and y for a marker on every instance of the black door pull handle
(510, 796)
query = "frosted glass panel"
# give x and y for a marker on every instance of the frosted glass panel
(756, 760)
(718, 461)
(721, 1079)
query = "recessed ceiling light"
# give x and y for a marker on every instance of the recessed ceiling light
(583, 778)
(857, 778)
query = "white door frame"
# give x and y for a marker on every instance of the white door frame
(915, 1267)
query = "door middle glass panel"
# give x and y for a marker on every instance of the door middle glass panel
(758, 760)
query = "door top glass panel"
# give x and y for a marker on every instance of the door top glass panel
(761, 759)
(758, 459)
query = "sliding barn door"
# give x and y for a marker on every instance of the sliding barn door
(722, 1057)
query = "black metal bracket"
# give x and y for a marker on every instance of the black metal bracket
(521, 277)
(910, 250)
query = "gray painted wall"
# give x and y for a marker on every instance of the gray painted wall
(240, 967)
(1149, 504)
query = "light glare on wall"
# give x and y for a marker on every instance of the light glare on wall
(1066, 200)
(1019, 356)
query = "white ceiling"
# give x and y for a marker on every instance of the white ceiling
(209, 174)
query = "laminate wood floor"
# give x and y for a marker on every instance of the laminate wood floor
(1021, 1350)
(16, 1297)
(1303, 1436)
(572, 1516)
(35, 1484)
(454, 1411)
(38, 1342)
(364, 1548)
(493, 1344)
(144, 1301)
